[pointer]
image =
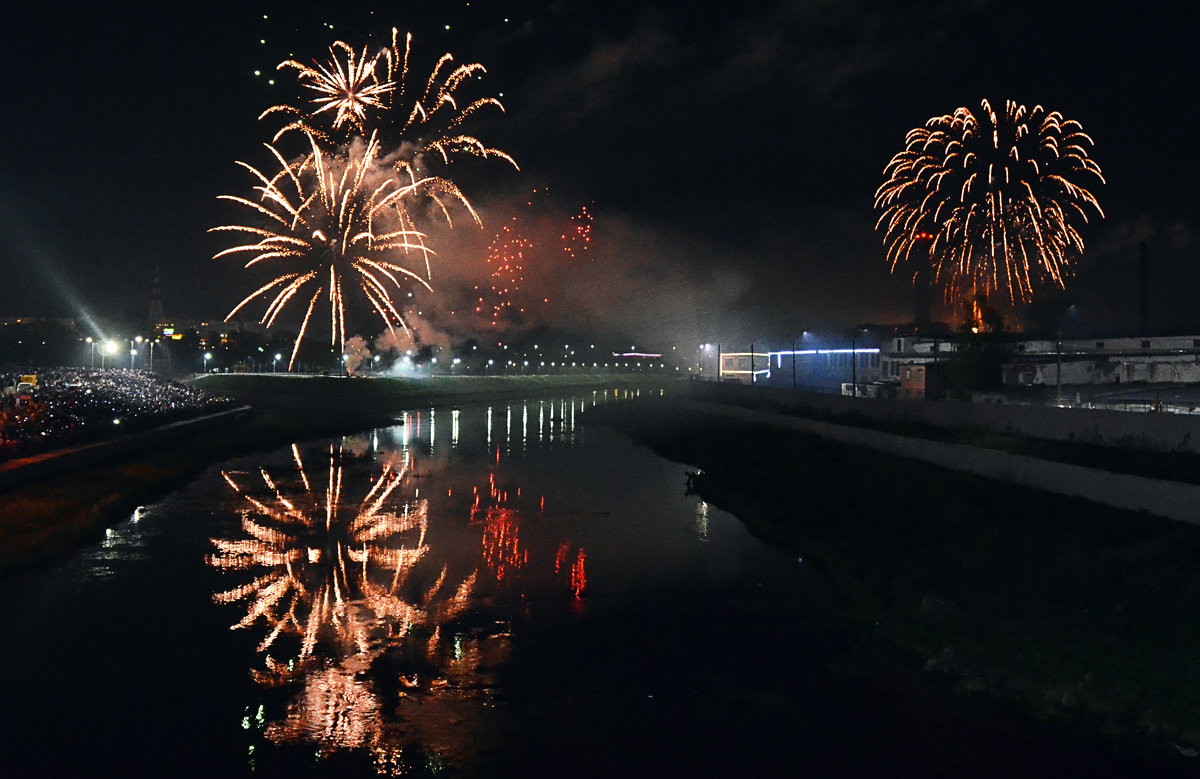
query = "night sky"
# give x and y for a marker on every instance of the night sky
(729, 154)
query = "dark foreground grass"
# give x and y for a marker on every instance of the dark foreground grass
(1075, 612)
(44, 519)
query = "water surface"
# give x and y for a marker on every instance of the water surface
(483, 590)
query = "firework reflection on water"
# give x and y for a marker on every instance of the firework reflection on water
(380, 582)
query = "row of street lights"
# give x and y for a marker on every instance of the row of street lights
(274, 361)
(109, 348)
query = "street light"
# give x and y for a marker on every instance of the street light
(92, 344)
(207, 357)
(1058, 367)
(854, 359)
(133, 350)
(275, 361)
(110, 348)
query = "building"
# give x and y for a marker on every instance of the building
(917, 366)
(814, 370)
(1035, 362)
(1157, 359)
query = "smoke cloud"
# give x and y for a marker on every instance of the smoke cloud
(630, 282)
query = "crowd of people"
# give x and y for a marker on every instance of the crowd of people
(71, 406)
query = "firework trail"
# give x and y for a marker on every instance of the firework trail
(991, 199)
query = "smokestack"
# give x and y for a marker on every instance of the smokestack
(156, 316)
(1143, 284)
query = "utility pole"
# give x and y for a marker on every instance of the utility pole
(793, 365)
(1058, 372)
(854, 364)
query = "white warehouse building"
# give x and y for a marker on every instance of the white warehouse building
(1104, 361)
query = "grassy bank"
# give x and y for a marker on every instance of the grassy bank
(47, 518)
(1074, 612)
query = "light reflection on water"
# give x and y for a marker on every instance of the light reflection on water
(123, 543)
(381, 575)
(452, 596)
(462, 590)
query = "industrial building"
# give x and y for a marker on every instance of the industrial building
(913, 366)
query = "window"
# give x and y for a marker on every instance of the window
(1099, 344)
(1145, 344)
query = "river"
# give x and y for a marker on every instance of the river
(484, 590)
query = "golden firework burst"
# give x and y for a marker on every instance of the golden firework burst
(361, 89)
(992, 199)
(326, 218)
(347, 206)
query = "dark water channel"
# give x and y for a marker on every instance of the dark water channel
(481, 591)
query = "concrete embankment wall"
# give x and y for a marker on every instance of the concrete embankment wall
(36, 467)
(1173, 500)
(1150, 431)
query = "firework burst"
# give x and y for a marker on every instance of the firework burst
(347, 86)
(506, 257)
(328, 218)
(992, 199)
(343, 213)
(577, 241)
(357, 88)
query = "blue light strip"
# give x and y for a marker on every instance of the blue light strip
(802, 352)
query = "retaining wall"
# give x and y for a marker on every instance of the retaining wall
(1173, 500)
(39, 466)
(1150, 431)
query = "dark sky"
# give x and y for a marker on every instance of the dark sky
(729, 153)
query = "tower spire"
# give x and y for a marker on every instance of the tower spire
(155, 317)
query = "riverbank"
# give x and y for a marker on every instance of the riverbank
(1151, 445)
(46, 517)
(1074, 612)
